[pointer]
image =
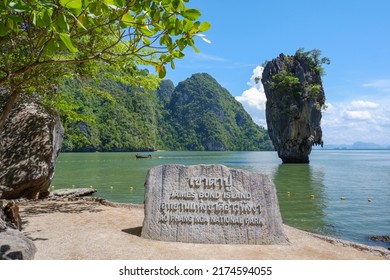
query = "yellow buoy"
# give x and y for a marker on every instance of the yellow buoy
(370, 199)
(312, 196)
(288, 193)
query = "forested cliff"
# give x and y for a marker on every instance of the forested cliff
(197, 114)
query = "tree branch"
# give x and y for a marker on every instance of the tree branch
(11, 100)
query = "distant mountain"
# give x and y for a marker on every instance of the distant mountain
(198, 114)
(355, 146)
(205, 116)
(365, 146)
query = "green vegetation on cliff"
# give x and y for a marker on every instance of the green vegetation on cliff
(205, 116)
(124, 121)
(196, 115)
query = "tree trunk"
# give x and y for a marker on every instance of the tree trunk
(8, 107)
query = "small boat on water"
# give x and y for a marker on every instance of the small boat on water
(143, 156)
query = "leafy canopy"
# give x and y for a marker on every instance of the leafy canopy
(286, 82)
(315, 59)
(149, 31)
(43, 41)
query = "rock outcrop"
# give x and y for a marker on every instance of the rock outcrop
(29, 146)
(71, 193)
(14, 245)
(295, 97)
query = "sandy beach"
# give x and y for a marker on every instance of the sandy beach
(95, 229)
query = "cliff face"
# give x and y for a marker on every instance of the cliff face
(295, 96)
(205, 116)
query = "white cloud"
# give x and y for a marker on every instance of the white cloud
(358, 115)
(382, 85)
(253, 99)
(348, 122)
(208, 57)
(360, 104)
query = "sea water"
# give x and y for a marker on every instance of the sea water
(341, 193)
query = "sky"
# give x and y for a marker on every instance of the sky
(354, 35)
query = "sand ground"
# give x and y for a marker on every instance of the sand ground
(90, 229)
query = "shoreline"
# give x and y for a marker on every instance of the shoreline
(90, 228)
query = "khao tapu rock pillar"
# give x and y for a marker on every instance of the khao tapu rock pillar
(295, 97)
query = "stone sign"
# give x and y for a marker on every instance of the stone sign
(211, 204)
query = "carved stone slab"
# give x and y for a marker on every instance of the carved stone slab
(211, 204)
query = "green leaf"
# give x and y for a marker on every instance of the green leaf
(175, 4)
(127, 19)
(34, 19)
(11, 23)
(178, 54)
(15, 18)
(181, 43)
(19, 8)
(178, 26)
(204, 26)
(120, 3)
(81, 21)
(191, 14)
(188, 25)
(3, 29)
(166, 40)
(114, 7)
(65, 38)
(156, 16)
(192, 44)
(196, 49)
(52, 46)
(61, 23)
(44, 17)
(114, 4)
(72, 4)
(146, 31)
(145, 40)
(161, 71)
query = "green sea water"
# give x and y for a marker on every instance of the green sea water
(341, 193)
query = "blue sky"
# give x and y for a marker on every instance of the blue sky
(355, 35)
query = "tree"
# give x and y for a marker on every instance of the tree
(43, 41)
(315, 59)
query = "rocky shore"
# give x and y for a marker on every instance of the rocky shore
(88, 228)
